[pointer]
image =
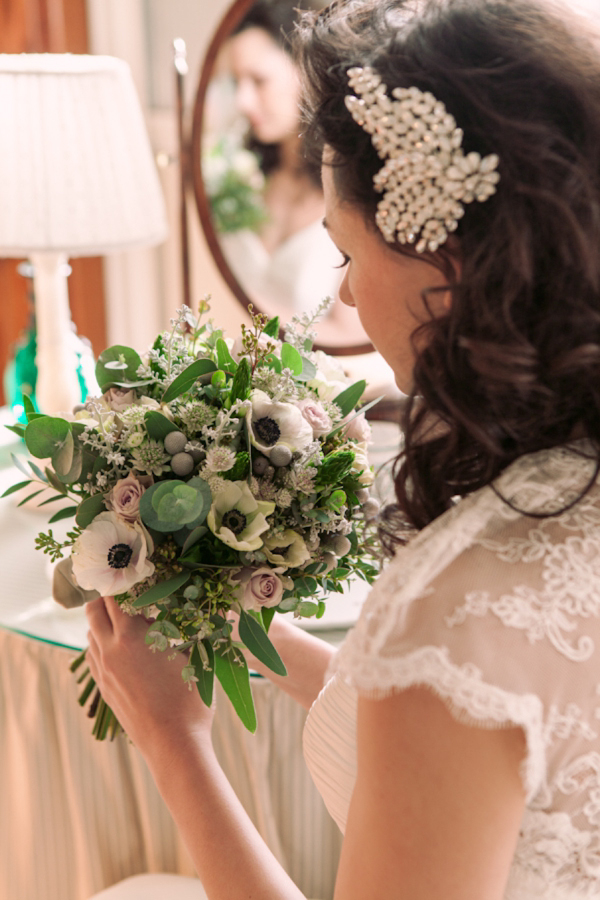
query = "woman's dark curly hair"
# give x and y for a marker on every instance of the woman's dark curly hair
(514, 366)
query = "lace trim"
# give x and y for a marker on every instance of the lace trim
(551, 851)
(470, 699)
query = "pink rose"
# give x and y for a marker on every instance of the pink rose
(119, 399)
(314, 413)
(359, 430)
(124, 498)
(260, 587)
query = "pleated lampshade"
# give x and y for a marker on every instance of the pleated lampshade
(77, 173)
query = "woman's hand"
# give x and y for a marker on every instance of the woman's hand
(144, 689)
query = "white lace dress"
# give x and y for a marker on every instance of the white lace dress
(499, 614)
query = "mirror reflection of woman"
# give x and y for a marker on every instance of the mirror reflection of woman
(288, 263)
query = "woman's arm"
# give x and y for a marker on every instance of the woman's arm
(437, 804)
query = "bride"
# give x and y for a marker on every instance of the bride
(456, 740)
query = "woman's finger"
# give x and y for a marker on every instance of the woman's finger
(98, 618)
(92, 656)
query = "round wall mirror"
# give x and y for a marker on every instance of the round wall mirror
(259, 201)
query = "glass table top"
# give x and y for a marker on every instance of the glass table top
(26, 604)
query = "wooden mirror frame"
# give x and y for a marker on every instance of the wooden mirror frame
(233, 15)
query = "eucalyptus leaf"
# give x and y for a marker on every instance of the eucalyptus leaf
(307, 609)
(232, 671)
(206, 677)
(256, 640)
(46, 436)
(193, 537)
(62, 458)
(291, 359)
(36, 470)
(20, 464)
(31, 496)
(55, 482)
(309, 370)
(186, 379)
(117, 364)
(74, 473)
(30, 410)
(16, 429)
(162, 590)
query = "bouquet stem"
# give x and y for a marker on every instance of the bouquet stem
(105, 721)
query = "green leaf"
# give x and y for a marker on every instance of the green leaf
(321, 609)
(267, 614)
(158, 426)
(241, 381)
(65, 513)
(271, 329)
(232, 671)
(55, 482)
(307, 609)
(17, 429)
(46, 436)
(36, 470)
(17, 487)
(31, 496)
(117, 364)
(348, 399)
(169, 505)
(309, 370)
(193, 538)
(256, 640)
(29, 408)
(274, 363)
(62, 458)
(291, 359)
(334, 467)
(186, 379)
(225, 361)
(89, 508)
(359, 412)
(19, 464)
(161, 591)
(206, 677)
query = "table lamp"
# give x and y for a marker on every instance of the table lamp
(77, 178)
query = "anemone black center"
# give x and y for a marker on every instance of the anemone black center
(268, 430)
(119, 556)
(234, 520)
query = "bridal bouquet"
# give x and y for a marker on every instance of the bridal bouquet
(211, 475)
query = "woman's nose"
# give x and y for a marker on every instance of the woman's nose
(245, 98)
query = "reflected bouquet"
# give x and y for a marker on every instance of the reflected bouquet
(211, 475)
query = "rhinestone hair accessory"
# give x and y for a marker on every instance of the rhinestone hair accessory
(426, 179)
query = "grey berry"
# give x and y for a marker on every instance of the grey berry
(174, 442)
(197, 454)
(362, 495)
(371, 508)
(280, 455)
(182, 463)
(260, 464)
(341, 545)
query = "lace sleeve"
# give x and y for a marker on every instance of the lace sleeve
(491, 609)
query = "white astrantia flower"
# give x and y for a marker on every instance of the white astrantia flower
(237, 518)
(150, 457)
(110, 556)
(287, 548)
(271, 422)
(220, 459)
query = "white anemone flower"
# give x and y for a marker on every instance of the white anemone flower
(237, 518)
(272, 422)
(110, 556)
(286, 549)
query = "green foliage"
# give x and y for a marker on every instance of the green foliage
(169, 505)
(161, 591)
(117, 365)
(335, 467)
(88, 509)
(348, 398)
(254, 636)
(291, 359)
(225, 361)
(186, 379)
(232, 671)
(158, 426)
(204, 674)
(271, 329)
(240, 387)
(240, 469)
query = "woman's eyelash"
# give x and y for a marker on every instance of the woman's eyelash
(344, 262)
